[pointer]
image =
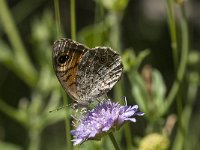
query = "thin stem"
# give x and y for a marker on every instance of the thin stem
(20, 55)
(73, 19)
(128, 136)
(173, 32)
(19, 13)
(114, 142)
(115, 34)
(65, 100)
(67, 121)
(172, 28)
(12, 113)
(183, 60)
(57, 15)
(180, 139)
(99, 17)
(34, 136)
(116, 43)
(73, 36)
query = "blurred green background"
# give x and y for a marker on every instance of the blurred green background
(159, 44)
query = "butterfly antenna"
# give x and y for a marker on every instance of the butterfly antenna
(59, 108)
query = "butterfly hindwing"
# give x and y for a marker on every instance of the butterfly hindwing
(98, 72)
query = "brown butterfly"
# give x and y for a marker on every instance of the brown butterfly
(85, 74)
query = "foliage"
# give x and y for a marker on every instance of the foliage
(25, 63)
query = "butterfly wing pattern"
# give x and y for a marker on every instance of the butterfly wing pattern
(98, 72)
(67, 55)
(85, 74)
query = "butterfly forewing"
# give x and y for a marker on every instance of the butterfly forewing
(66, 71)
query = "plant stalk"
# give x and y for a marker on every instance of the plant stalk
(114, 142)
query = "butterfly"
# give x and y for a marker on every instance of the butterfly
(86, 74)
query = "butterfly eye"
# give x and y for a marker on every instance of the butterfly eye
(63, 58)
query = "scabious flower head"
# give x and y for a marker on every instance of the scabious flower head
(105, 117)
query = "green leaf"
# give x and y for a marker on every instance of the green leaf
(94, 35)
(128, 59)
(158, 89)
(141, 56)
(138, 90)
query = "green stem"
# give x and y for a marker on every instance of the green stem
(73, 19)
(115, 32)
(73, 36)
(180, 139)
(99, 17)
(116, 43)
(128, 136)
(12, 113)
(67, 121)
(173, 32)
(19, 13)
(34, 138)
(114, 142)
(57, 14)
(21, 57)
(183, 60)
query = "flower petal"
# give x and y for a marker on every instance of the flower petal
(103, 118)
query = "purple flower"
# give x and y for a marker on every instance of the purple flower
(105, 117)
